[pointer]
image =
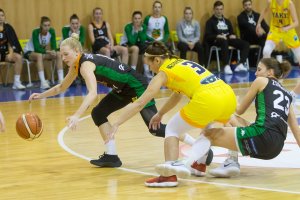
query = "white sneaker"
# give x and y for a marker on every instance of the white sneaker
(227, 70)
(240, 68)
(18, 86)
(228, 169)
(177, 168)
(45, 85)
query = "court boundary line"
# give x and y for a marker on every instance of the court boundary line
(61, 142)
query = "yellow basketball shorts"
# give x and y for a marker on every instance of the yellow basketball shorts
(215, 104)
(289, 38)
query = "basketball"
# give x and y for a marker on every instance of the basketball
(29, 126)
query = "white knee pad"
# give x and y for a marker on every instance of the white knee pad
(268, 49)
(177, 126)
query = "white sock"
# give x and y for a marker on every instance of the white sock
(42, 76)
(17, 79)
(188, 139)
(199, 149)
(233, 155)
(133, 67)
(111, 147)
(60, 73)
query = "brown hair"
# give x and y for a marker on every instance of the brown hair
(188, 8)
(244, 1)
(97, 8)
(281, 70)
(1, 10)
(158, 49)
(44, 19)
(155, 2)
(74, 16)
(218, 3)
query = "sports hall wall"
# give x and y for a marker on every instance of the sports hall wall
(24, 15)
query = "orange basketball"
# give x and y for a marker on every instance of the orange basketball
(29, 126)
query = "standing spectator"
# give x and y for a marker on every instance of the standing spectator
(10, 49)
(42, 45)
(135, 34)
(219, 32)
(284, 20)
(74, 27)
(188, 31)
(157, 29)
(102, 39)
(247, 21)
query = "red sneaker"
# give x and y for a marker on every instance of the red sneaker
(198, 169)
(162, 181)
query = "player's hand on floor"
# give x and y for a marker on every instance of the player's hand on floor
(72, 122)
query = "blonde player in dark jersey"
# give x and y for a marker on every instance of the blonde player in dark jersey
(284, 20)
(211, 100)
(127, 85)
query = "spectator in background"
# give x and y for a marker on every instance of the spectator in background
(247, 21)
(188, 31)
(10, 49)
(157, 29)
(74, 27)
(135, 37)
(42, 45)
(102, 39)
(219, 32)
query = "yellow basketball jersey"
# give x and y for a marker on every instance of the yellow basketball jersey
(187, 77)
(281, 15)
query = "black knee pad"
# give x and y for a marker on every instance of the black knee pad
(99, 116)
(159, 132)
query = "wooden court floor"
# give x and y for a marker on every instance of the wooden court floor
(55, 166)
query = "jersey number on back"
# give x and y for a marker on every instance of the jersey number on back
(279, 101)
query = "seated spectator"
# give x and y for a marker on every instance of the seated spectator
(188, 31)
(42, 45)
(101, 38)
(219, 32)
(135, 37)
(157, 29)
(247, 21)
(74, 27)
(10, 49)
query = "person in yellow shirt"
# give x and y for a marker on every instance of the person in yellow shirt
(284, 20)
(211, 100)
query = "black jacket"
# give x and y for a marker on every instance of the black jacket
(215, 26)
(12, 38)
(248, 28)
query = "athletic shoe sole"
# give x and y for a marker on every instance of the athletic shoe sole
(106, 164)
(169, 170)
(225, 173)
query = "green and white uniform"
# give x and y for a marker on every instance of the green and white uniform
(264, 139)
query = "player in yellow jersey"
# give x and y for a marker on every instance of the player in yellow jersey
(284, 20)
(211, 100)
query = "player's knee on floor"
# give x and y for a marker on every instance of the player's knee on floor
(99, 116)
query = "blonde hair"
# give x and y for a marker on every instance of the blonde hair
(73, 42)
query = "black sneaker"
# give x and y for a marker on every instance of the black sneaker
(107, 160)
